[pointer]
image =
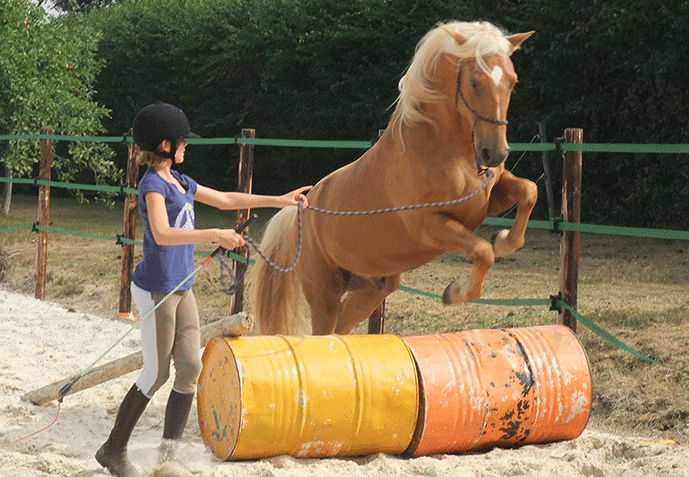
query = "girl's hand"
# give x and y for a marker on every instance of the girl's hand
(228, 239)
(297, 197)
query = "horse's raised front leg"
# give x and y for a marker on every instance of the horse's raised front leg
(508, 192)
(449, 234)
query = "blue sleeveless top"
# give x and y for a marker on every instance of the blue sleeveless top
(165, 266)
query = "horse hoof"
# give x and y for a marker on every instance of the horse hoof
(499, 242)
(446, 297)
(454, 295)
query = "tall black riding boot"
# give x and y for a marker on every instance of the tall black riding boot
(113, 454)
(176, 414)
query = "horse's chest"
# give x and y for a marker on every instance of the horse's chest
(384, 248)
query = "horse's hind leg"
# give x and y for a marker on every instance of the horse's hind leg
(323, 289)
(508, 192)
(358, 304)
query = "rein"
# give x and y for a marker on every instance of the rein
(488, 173)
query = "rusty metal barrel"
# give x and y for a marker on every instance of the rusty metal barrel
(499, 388)
(307, 396)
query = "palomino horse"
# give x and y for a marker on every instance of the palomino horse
(446, 140)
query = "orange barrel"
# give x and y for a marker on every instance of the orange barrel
(499, 388)
(307, 396)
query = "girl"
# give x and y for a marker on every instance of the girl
(166, 204)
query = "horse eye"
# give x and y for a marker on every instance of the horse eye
(473, 84)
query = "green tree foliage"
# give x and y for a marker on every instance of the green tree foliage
(299, 69)
(157, 50)
(319, 70)
(327, 69)
(613, 68)
(47, 72)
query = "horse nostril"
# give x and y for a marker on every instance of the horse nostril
(485, 155)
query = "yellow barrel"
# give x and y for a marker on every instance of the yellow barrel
(499, 388)
(307, 396)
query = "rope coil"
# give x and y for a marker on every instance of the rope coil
(226, 271)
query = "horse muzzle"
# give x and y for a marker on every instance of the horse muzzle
(487, 156)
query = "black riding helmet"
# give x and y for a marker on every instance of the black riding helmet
(157, 122)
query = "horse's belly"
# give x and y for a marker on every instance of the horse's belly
(379, 257)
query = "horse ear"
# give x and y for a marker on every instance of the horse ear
(519, 38)
(459, 38)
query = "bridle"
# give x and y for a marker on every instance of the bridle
(477, 117)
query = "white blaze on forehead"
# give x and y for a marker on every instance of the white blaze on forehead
(497, 74)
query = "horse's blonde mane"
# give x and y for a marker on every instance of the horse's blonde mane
(484, 39)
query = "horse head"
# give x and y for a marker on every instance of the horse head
(484, 85)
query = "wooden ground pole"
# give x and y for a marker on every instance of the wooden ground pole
(235, 325)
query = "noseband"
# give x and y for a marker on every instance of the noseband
(477, 117)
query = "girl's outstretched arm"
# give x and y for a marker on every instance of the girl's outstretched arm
(240, 200)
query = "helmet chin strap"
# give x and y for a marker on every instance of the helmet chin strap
(173, 151)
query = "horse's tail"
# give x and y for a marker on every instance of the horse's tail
(277, 295)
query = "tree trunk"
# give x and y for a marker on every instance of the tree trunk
(7, 193)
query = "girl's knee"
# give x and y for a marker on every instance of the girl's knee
(150, 389)
(187, 375)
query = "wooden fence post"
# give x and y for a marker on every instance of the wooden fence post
(43, 214)
(376, 322)
(246, 172)
(129, 232)
(571, 212)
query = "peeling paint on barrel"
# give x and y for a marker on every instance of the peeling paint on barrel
(490, 388)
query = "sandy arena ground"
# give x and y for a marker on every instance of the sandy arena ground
(41, 343)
